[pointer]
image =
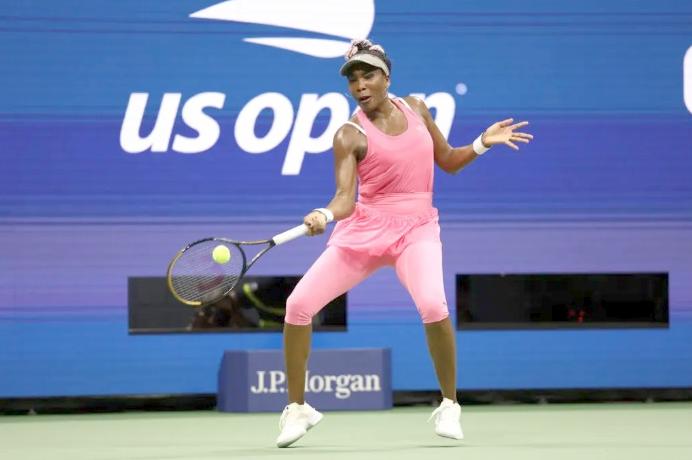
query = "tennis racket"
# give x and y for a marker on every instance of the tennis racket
(196, 279)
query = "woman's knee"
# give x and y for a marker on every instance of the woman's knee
(433, 310)
(298, 310)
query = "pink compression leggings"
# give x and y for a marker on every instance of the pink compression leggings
(419, 268)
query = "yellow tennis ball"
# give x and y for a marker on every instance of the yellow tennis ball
(221, 254)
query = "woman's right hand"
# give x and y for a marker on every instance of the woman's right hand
(316, 223)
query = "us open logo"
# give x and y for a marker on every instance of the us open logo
(339, 20)
(296, 124)
(687, 78)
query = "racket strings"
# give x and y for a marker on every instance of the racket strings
(197, 277)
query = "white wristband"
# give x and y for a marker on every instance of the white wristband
(327, 213)
(478, 146)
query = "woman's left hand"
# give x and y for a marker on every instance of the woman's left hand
(504, 132)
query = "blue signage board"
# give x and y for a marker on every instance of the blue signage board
(337, 379)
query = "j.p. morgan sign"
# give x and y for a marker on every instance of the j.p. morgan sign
(342, 379)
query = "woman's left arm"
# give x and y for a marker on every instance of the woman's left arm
(452, 159)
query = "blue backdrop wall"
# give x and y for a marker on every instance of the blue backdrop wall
(128, 128)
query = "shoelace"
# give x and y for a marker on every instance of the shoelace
(437, 413)
(286, 413)
(284, 416)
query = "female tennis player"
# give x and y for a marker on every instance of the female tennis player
(390, 147)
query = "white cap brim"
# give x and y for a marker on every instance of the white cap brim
(370, 59)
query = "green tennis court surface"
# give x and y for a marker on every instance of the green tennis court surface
(657, 431)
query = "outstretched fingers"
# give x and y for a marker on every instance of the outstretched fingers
(518, 125)
(521, 137)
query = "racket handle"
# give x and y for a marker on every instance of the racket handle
(289, 235)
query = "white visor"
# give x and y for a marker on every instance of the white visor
(367, 58)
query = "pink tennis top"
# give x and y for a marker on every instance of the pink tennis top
(395, 183)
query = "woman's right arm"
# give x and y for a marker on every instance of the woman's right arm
(349, 144)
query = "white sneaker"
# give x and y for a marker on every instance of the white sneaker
(447, 420)
(295, 421)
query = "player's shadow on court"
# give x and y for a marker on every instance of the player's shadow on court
(336, 449)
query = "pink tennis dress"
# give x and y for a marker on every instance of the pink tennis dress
(394, 210)
(395, 182)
